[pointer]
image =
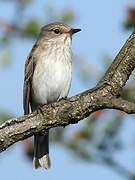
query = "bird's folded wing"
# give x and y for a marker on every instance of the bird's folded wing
(29, 69)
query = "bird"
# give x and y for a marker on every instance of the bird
(47, 78)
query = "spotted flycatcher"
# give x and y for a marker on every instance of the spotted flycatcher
(47, 78)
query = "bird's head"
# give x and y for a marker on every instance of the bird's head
(58, 32)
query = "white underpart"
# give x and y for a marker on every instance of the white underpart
(52, 75)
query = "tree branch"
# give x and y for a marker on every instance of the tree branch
(120, 104)
(72, 110)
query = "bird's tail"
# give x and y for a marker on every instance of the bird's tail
(41, 151)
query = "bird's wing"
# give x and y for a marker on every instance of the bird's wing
(29, 69)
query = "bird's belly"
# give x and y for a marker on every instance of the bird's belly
(50, 82)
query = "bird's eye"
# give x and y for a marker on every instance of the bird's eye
(57, 31)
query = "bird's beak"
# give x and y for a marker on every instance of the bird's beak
(73, 31)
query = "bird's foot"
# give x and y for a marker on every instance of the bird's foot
(63, 98)
(40, 110)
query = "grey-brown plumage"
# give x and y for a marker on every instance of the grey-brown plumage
(47, 78)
